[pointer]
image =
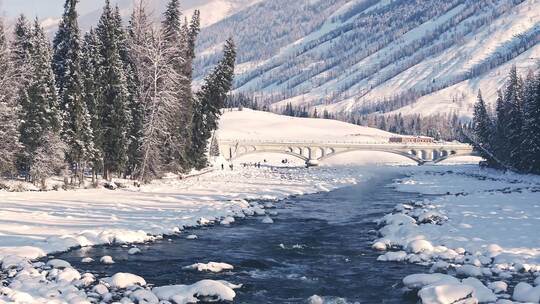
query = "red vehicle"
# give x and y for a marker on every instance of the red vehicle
(411, 140)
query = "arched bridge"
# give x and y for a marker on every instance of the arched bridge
(313, 153)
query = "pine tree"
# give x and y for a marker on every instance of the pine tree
(20, 50)
(210, 100)
(9, 133)
(76, 131)
(41, 123)
(177, 144)
(92, 94)
(483, 127)
(513, 97)
(115, 115)
(500, 140)
(135, 128)
(531, 125)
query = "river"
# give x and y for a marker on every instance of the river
(319, 244)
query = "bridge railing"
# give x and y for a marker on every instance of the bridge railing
(336, 142)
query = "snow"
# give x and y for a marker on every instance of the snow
(49, 222)
(106, 260)
(211, 267)
(134, 250)
(476, 45)
(419, 246)
(498, 286)
(253, 125)
(481, 227)
(524, 292)
(445, 294)
(124, 280)
(183, 294)
(87, 260)
(267, 220)
(60, 264)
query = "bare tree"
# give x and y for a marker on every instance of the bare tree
(158, 88)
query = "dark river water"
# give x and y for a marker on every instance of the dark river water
(319, 244)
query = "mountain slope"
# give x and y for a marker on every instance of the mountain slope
(364, 56)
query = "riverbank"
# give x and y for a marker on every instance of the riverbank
(35, 224)
(480, 237)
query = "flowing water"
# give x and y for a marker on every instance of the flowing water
(319, 244)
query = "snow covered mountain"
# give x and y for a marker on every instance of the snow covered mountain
(212, 11)
(365, 56)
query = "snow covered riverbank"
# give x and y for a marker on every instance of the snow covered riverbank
(483, 229)
(38, 223)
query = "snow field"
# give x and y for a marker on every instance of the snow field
(479, 236)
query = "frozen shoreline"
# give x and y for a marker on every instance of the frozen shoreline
(482, 228)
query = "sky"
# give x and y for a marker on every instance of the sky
(53, 8)
(43, 8)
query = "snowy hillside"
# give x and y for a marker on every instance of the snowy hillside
(422, 57)
(253, 125)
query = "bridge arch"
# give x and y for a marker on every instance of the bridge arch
(395, 152)
(454, 155)
(284, 152)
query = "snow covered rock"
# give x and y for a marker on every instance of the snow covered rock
(524, 292)
(419, 246)
(87, 260)
(315, 299)
(469, 271)
(208, 290)
(498, 286)
(192, 237)
(124, 280)
(227, 220)
(380, 246)
(397, 219)
(13, 261)
(267, 220)
(59, 264)
(143, 296)
(420, 280)
(211, 267)
(134, 250)
(432, 217)
(397, 256)
(448, 294)
(482, 293)
(106, 260)
(68, 275)
(100, 289)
